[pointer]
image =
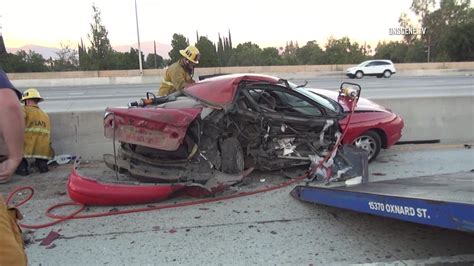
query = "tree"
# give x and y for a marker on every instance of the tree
(444, 26)
(395, 51)
(311, 53)
(24, 62)
(416, 52)
(224, 50)
(100, 51)
(85, 60)
(179, 42)
(452, 22)
(289, 54)
(246, 54)
(342, 51)
(208, 52)
(150, 61)
(35, 61)
(127, 60)
(459, 42)
(270, 57)
(67, 59)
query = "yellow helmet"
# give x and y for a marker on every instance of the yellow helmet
(31, 93)
(191, 53)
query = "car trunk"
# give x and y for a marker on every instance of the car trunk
(154, 127)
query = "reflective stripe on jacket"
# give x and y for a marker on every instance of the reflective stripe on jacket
(37, 142)
(175, 79)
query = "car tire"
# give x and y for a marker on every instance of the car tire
(232, 156)
(387, 74)
(359, 74)
(371, 142)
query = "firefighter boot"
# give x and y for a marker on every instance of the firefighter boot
(42, 165)
(22, 169)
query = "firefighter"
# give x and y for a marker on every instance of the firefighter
(37, 141)
(11, 149)
(181, 72)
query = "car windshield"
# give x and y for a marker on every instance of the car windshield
(315, 97)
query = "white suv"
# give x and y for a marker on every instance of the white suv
(379, 68)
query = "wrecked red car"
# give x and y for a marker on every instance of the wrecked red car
(226, 124)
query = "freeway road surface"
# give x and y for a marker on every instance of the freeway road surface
(268, 228)
(98, 97)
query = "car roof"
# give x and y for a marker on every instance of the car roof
(221, 90)
(379, 60)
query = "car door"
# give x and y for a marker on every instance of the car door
(381, 66)
(278, 106)
(370, 68)
(384, 66)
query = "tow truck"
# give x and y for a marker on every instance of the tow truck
(445, 200)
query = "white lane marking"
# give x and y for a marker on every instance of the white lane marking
(76, 93)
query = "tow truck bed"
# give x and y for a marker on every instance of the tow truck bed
(440, 200)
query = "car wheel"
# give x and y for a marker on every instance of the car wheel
(359, 74)
(387, 74)
(232, 156)
(371, 142)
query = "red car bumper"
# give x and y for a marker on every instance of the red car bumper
(92, 192)
(393, 131)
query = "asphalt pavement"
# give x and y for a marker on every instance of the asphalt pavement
(267, 228)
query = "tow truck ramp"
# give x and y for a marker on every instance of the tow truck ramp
(445, 200)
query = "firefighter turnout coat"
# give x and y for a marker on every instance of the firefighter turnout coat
(11, 243)
(37, 142)
(175, 79)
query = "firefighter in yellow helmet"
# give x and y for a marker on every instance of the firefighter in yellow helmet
(37, 140)
(181, 72)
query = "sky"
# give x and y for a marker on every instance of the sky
(268, 23)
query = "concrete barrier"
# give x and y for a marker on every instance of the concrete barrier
(449, 119)
(80, 133)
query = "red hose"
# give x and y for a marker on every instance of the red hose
(48, 211)
(75, 214)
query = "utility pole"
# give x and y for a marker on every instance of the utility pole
(154, 51)
(429, 47)
(138, 37)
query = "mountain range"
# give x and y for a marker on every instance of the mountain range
(146, 47)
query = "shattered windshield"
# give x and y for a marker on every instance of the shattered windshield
(329, 104)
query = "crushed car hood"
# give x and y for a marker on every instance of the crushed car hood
(363, 105)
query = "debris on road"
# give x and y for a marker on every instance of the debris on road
(50, 238)
(379, 174)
